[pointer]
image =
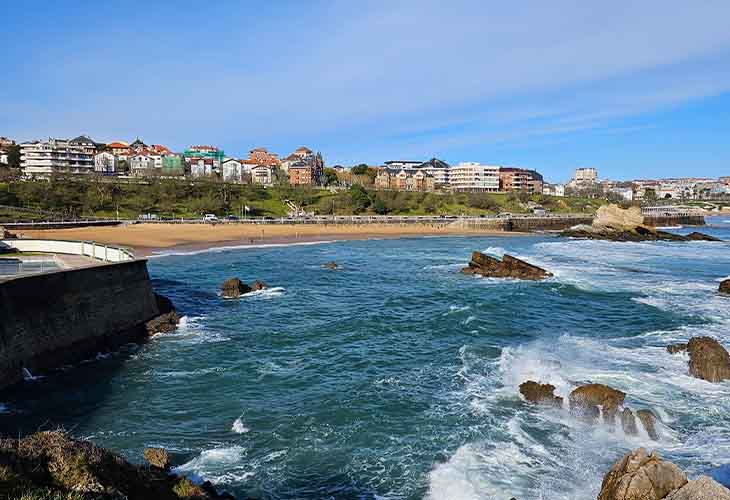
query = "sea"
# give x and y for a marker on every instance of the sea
(396, 376)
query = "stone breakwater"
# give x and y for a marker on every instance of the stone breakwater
(54, 319)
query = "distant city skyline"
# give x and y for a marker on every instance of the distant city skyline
(635, 90)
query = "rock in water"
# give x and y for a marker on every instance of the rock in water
(233, 288)
(697, 236)
(638, 476)
(708, 360)
(702, 488)
(157, 457)
(537, 393)
(725, 286)
(586, 400)
(648, 420)
(330, 265)
(628, 422)
(614, 218)
(258, 285)
(168, 319)
(508, 267)
(675, 348)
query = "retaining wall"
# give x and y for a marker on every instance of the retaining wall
(52, 319)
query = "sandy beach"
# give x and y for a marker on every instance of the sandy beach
(146, 239)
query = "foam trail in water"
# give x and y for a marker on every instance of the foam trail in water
(238, 426)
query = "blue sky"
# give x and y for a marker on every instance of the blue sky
(636, 89)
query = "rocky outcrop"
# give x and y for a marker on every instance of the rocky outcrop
(642, 476)
(628, 422)
(616, 224)
(258, 285)
(587, 401)
(708, 359)
(648, 420)
(696, 236)
(725, 286)
(508, 267)
(168, 319)
(702, 488)
(330, 265)
(157, 457)
(233, 288)
(53, 465)
(537, 393)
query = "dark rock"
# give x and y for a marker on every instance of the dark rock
(638, 476)
(168, 319)
(638, 233)
(725, 286)
(586, 400)
(675, 348)
(258, 285)
(648, 420)
(696, 236)
(708, 359)
(330, 265)
(233, 288)
(157, 457)
(508, 267)
(628, 423)
(537, 393)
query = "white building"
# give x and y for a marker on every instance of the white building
(44, 158)
(553, 189)
(232, 170)
(142, 164)
(586, 175)
(105, 163)
(402, 164)
(4, 157)
(474, 177)
(262, 174)
(626, 193)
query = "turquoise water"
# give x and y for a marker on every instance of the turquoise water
(396, 377)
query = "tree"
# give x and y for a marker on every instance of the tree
(650, 195)
(379, 207)
(360, 198)
(329, 177)
(360, 169)
(14, 156)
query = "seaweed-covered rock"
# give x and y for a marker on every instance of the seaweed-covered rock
(697, 236)
(167, 320)
(508, 267)
(157, 457)
(330, 265)
(53, 465)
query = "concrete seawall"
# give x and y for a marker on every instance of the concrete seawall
(681, 220)
(49, 320)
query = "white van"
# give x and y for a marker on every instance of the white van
(210, 218)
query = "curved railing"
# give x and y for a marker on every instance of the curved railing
(106, 253)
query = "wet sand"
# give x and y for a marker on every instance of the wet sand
(147, 239)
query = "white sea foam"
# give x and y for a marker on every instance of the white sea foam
(266, 293)
(239, 427)
(216, 465)
(227, 248)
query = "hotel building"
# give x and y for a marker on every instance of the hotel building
(45, 158)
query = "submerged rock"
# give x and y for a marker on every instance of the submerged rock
(586, 400)
(53, 465)
(330, 265)
(696, 236)
(508, 267)
(537, 393)
(675, 348)
(639, 476)
(233, 288)
(725, 286)
(708, 359)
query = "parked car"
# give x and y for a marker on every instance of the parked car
(210, 218)
(231, 218)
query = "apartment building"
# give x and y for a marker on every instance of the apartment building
(474, 177)
(53, 156)
(263, 175)
(105, 163)
(232, 170)
(520, 179)
(204, 160)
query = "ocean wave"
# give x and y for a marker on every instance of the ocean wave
(228, 248)
(239, 427)
(266, 293)
(218, 465)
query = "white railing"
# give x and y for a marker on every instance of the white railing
(106, 253)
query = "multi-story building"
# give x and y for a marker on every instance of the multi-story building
(5, 142)
(204, 160)
(301, 174)
(261, 156)
(553, 189)
(263, 175)
(304, 167)
(120, 149)
(105, 163)
(585, 176)
(45, 158)
(520, 179)
(142, 164)
(232, 170)
(439, 170)
(173, 165)
(474, 177)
